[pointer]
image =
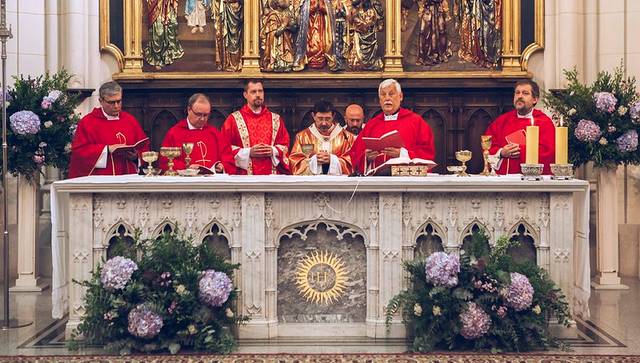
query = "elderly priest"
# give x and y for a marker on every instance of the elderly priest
(415, 135)
(211, 150)
(108, 141)
(323, 147)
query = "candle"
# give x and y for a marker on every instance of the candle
(533, 136)
(562, 143)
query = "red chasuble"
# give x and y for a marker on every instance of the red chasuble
(244, 129)
(209, 147)
(415, 132)
(94, 132)
(509, 123)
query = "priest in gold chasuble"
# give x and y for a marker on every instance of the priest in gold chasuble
(323, 147)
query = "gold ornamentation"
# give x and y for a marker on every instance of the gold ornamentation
(321, 277)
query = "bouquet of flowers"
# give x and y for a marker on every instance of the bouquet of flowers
(482, 300)
(162, 294)
(41, 119)
(603, 118)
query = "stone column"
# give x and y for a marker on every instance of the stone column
(607, 226)
(28, 279)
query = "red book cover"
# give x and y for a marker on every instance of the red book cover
(517, 137)
(390, 139)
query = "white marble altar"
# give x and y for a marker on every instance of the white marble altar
(255, 212)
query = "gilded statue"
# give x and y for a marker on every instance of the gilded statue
(227, 21)
(314, 41)
(162, 47)
(276, 37)
(433, 44)
(195, 11)
(480, 27)
(367, 20)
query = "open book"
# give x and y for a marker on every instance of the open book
(136, 146)
(390, 139)
(205, 171)
(385, 169)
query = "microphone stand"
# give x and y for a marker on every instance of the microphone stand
(5, 34)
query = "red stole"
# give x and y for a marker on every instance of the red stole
(94, 132)
(209, 147)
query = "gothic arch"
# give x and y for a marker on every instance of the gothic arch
(475, 126)
(164, 226)
(122, 231)
(216, 235)
(426, 238)
(527, 250)
(302, 229)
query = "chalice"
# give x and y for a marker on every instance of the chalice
(149, 157)
(170, 153)
(307, 150)
(485, 141)
(188, 149)
(463, 156)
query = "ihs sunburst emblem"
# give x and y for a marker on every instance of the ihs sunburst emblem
(321, 277)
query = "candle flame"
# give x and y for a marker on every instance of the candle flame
(561, 120)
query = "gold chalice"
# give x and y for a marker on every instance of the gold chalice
(149, 157)
(170, 153)
(485, 141)
(188, 149)
(463, 156)
(307, 150)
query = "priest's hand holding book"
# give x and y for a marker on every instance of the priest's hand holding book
(510, 151)
(122, 149)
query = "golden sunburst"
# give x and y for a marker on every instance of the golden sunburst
(321, 277)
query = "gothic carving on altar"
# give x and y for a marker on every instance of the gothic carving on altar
(191, 38)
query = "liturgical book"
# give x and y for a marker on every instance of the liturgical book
(390, 139)
(136, 146)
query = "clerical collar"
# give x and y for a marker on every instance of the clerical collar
(191, 127)
(109, 117)
(256, 113)
(529, 115)
(392, 117)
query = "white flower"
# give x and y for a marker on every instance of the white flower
(229, 313)
(417, 310)
(67, 147)
(622, 110)
(436, 311)
(192, 329)
(48, 124)
(572, 112)
(537, 310)
(181, 290)
(603, 141)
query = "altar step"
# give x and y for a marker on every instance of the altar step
(322, 345)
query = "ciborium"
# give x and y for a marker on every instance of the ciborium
(463, 156)
(485, 142)
(150, 157)
(170, 152)
(188, 149)
(307, 150)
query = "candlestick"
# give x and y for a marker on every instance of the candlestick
(533, 137)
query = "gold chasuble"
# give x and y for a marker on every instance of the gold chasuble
(311, 141)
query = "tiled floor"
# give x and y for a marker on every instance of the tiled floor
(614, 327)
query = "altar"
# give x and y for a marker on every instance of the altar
(320, 255)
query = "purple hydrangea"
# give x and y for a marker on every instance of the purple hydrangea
(628, 142)
(117, 272)
(46, 103)
(605, 101)
(144, 323)
(475, 322)
(634, 112)
(520, 292)
(25, 123)
(587, 131)
(442, 269)
(214, 287)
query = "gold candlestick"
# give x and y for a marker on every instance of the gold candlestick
(188, 149)
(149, 157)
(170, 153)
(463, 156)
(485, 142)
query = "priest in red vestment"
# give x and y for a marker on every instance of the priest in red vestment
(414, 131)
(210, 148)
(511, 154)
(259, 139)
(97, 145)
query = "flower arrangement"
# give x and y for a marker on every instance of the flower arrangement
(482, 300)
(157, 295)
(603, 118)
(41, 119)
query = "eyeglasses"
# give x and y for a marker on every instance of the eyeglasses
(324, 119)
(112, 102)
(200, 114)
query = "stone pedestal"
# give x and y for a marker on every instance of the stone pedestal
(607, 238)
(28, 279)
